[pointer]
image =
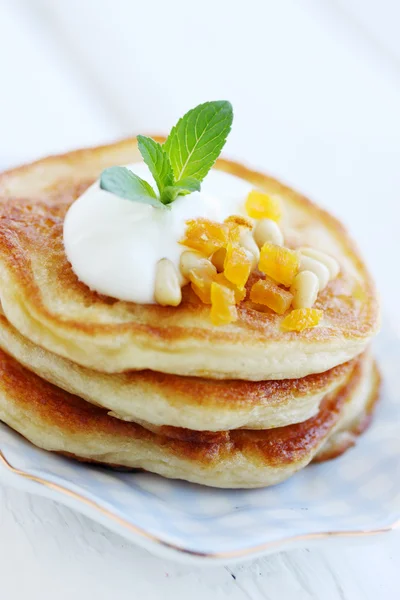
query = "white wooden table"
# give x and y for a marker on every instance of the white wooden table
(316, 93)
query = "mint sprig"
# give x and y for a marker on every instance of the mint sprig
(182, 188)
(196, 141)
(158, 162)
(122, 182)
(181, 163)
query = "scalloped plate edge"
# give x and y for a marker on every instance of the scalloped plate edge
(162, 548)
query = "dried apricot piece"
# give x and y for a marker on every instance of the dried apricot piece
(281, 264)
(239, 220)
(237, 265)
(201, 279)
(205, 236)
(223, 309)
(218, 259)
(237, 226)
(234, 232)
(239, 294)
(302, 318)
(262, 206)
(267, 292)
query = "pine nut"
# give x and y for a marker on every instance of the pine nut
(167, 290)
(268, 230)
(304, 288)
(218, 259)
(190, 259)
(248, 243)
(321, 271)
(324, 258)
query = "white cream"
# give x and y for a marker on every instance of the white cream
(114, 244)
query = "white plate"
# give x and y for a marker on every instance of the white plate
(353, 496)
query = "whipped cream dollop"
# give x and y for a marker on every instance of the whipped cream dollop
(114, 244)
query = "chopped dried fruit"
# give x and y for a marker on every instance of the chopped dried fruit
(239, 220)
(218, 259)
(201, 279)
(237, 225)
(237, 265)
(234, 232)
(223, 309)
(239, 294)
(302, 318)
(267, 292)
(262, 206)
(205, 236)
(281, 264)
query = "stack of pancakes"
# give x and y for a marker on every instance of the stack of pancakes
(162, 388)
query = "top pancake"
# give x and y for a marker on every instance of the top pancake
(44, 300)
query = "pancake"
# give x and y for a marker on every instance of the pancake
(44, 300)
(173, 400)
(354, 420)
(60, 422)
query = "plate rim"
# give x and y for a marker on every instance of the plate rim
(231, 555)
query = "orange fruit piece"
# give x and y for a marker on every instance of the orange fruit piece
(239, 294)
(267, 292)
(218, 259)
(234, 232)
(237, 225)
(237, 265)
(302, 318)
(205, 236)
(262, 206)
(239, 220)
(201, 278)
(279, 263)
(223, 309)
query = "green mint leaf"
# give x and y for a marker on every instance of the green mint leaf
(122, 182)
(181, 188)
(188, 185)
(170, 193)
(196, 141)
(157, 160)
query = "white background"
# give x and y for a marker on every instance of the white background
(315, 86)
